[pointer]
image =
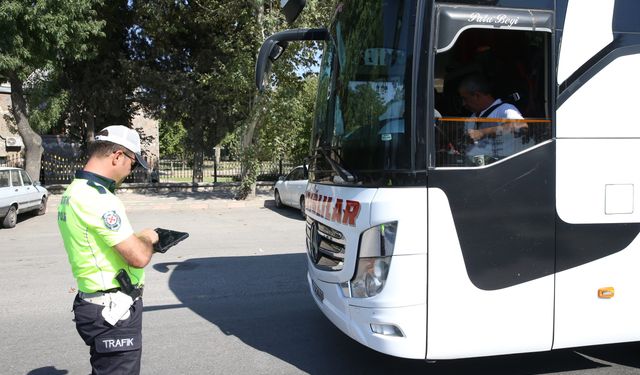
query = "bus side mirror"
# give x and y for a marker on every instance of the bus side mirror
(274, 46)
(270, 51)
(292, 9)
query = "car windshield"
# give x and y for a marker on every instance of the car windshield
(362, 130)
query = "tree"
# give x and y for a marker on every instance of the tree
(286, 130)
(36, 36)
(100, 89)
(197, 61)
(173, 138)
(299, 57)
(193, 72)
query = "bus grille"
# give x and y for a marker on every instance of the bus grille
(325, 246)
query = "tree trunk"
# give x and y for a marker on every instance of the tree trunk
(90, 122)
(198, 151)
(249, 165)
(32, 141)
(198, 163)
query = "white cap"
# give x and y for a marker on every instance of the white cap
(123, 136)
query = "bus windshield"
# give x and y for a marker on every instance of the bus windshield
(362, 129)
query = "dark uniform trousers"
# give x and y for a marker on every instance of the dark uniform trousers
(113, 350)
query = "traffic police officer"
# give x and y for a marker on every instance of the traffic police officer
(100, 242)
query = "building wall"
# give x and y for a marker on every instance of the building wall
(148, 129)
(6, 129)
(150, 135)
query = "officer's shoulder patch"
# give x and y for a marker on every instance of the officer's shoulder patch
(111, 220)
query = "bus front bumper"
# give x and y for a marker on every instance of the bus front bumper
(357, 321)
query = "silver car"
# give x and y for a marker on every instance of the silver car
(19, 194)
(289, 190)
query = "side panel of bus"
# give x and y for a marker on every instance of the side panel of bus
(598, 175)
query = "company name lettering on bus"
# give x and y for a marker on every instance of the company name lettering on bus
(501, 19)
(342, 211)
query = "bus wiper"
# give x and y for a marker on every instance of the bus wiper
(337, 167)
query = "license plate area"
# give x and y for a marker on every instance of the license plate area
(317, 291)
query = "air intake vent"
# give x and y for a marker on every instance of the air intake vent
(325, 246)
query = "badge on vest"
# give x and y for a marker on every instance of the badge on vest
(111, 220)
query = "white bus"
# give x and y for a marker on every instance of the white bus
(422, 244)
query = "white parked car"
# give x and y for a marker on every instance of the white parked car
(289, 190)
(19, 194)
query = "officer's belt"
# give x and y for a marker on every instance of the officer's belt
(100, 298)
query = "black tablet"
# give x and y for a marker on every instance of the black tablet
(168, 238)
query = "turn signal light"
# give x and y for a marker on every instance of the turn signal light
(606, 292)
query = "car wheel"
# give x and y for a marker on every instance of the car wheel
(11, 219)
(302, 212)
(42, 209)
(278, 200)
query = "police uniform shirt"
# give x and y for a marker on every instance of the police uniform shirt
(92, 220)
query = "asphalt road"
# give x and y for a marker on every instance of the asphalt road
(231, 299)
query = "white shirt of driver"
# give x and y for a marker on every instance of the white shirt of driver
(505, 110)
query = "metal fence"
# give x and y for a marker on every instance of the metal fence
(58, 169)
(174, 170)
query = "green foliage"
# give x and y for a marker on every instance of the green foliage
(90, 63)
(286, 130)
(101, 88)
(47, 101)
(192, 70)
(364, 108)
(231, 143)
(173, 137)
(35, 34)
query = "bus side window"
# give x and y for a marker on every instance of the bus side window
(503, 110)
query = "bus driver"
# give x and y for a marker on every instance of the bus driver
(494, 139)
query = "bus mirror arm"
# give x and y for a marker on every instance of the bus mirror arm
(273, 48)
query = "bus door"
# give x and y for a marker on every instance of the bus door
(491, 201)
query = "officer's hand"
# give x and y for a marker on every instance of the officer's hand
(150, 234)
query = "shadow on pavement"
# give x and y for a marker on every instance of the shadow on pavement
(26, 216)
(264, 301)
(222, 193)
(286, 211)
(48, 370)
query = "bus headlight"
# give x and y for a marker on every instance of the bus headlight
(376, 249)
(370, 277)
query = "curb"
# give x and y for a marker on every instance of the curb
(141, 202)
(171, 187)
